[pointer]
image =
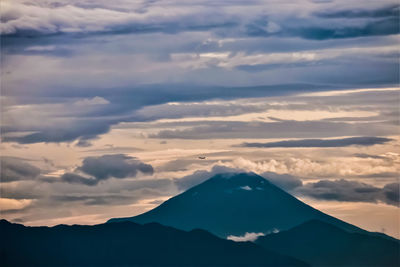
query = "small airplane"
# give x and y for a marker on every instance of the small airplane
(201, 157)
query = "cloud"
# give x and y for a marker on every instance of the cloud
(391, 192)
(353, 191)
(385, 26)
(387, 11)
(83, 143)
(31, 19)
(96, 169)
(200, 176)
(74, 178)
(117, 166)
(15, 169)
(94, 200)
(338, 190)
(285, 181)
(246, 237)
(366, 156)
(85, 129)
(279, 129)
(342, 142)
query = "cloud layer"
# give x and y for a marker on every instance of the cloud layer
(109, 104)
(343, 142)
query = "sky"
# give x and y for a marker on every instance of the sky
(106, 106)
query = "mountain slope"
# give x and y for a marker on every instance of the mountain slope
(322, 244)
(127, 244)
(233, 204)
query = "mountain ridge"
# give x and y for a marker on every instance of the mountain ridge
(128, 244)
(323, 244)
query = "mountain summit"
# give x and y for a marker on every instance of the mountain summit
(235, 204)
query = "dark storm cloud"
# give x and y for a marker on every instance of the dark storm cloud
(15, 169)
(353, 191)
(341, 142)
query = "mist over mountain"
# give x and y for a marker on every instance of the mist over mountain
(235, 204)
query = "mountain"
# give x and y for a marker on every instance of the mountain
(127, 244)
(322, 244)
(235, 204)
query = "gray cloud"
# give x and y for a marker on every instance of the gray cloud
(387, 11)
(226, 31)
(74, 178)
(341, 142)
(366, 156)
(198, 177)
(392, 194)
(305, 29)
(17, 20)
(339, 190)
(117, 166)
(285, 181)
(279, 129)
(95, 169)
(15, 169)
(92, 200)
(86, 129)
(345, 190)
(66, 124)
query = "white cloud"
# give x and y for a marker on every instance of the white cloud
(247, 188)
(97, 100)
(246, 237)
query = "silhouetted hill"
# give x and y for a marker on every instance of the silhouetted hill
(233, 204)
(127, 244)
(322, 244)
